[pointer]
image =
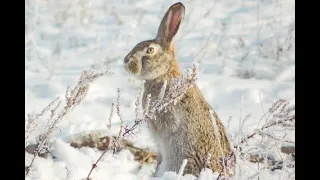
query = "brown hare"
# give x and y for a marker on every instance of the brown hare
(184, 130)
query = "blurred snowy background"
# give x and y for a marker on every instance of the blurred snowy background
(246, 49)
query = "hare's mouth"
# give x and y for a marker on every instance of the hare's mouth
(132, 67)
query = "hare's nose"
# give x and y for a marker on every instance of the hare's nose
(126, 59)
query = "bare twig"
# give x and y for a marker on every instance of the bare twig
(73, 98)
(181, 85)
(31, 123)
(283, 114)
(110, 117)
(280, 116)
(114, 142)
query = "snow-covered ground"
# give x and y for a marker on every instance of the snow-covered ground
(246, 49)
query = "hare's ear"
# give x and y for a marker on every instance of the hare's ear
(170, 24)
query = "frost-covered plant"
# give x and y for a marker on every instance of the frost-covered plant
(56, 113)
(271, 136)
(166, 97)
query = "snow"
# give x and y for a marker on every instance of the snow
(242, 71)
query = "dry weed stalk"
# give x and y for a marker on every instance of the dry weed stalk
(31, 123)
(280, 115)
(115, 143)
(73, 97)
(166, 97)
(280, 119)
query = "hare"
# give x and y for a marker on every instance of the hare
(184, 130)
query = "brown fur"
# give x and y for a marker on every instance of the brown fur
(190, 136)
(184, 130)
(175, 69)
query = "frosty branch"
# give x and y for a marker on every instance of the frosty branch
(273, 134)
(166, 97)
(73, 97)
(280, 114)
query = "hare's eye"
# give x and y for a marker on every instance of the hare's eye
(150, 50)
